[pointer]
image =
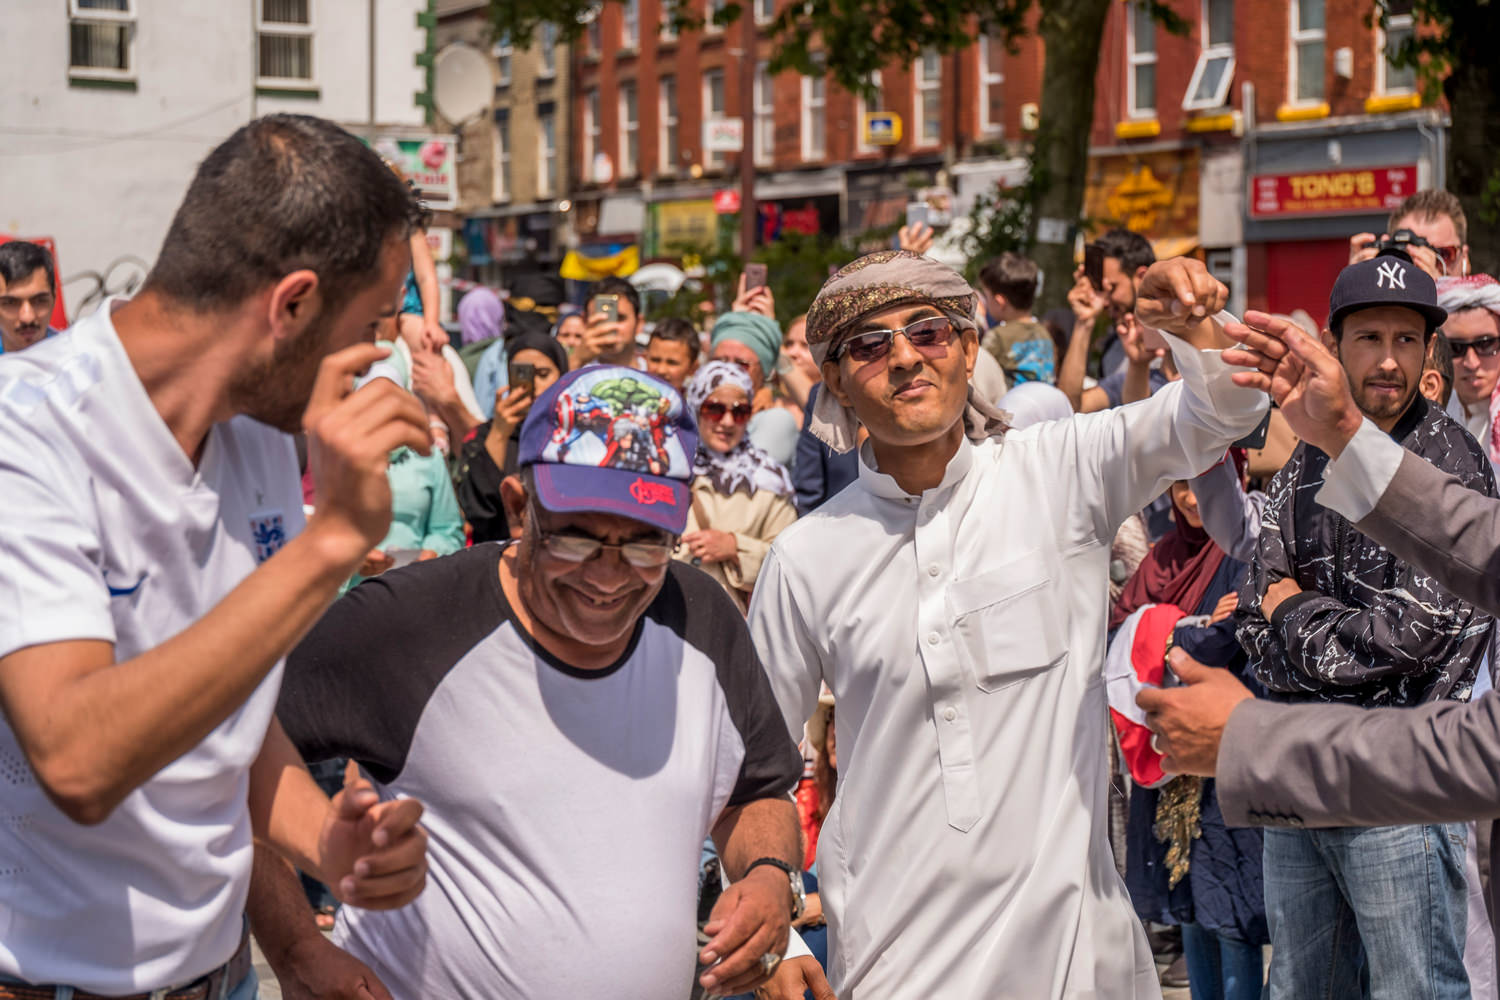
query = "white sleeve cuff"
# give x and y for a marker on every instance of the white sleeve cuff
(795, 946)
(1356, 480)
(1237, 406)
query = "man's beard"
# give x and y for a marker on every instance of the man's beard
(1382, 407)
(276, 392)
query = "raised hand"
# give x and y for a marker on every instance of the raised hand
(1303, 376)
(1178, 295)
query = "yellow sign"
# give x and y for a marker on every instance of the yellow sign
(1137, 200)
(881, 128)
(686, 224)
(617, 265)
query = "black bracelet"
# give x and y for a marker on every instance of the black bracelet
(777, 862)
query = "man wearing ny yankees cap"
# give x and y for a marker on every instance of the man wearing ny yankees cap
(1328, 615)
(578, 711)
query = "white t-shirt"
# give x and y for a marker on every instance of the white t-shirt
(110, 533)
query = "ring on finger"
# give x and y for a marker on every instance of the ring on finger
(769, 962)
(1156, 743)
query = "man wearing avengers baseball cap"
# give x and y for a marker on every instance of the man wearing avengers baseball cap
(578, 711)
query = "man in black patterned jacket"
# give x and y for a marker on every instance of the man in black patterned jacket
(1326, 614)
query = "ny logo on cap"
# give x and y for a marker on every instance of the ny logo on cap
(1392, 272)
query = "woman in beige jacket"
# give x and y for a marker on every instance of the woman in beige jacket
(742, 497)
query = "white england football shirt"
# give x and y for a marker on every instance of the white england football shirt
(109, 532)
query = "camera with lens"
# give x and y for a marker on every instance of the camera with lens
(1401, 239)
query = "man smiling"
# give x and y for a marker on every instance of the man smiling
(953, 599)
(579, 711)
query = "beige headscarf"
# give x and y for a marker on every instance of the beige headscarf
(874, 283)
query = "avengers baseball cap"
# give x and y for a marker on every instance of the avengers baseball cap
(612, 440)
(1390, 279)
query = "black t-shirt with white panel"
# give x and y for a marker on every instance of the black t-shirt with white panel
(566, 809)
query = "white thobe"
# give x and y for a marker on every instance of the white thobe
(962, 633)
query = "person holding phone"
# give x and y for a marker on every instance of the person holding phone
(489, 453)
(614, 321)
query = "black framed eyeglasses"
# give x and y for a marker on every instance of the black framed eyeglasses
(577, 548)
(1486, 346)
(930, 336)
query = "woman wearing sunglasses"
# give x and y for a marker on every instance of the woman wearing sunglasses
(742, 497)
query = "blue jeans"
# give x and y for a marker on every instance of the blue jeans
(1220, 968)
(1376, 913)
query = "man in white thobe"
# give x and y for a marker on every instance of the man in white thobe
(954, 600)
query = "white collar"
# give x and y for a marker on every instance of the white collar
(881, 485)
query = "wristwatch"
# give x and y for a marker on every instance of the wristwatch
(799, 894)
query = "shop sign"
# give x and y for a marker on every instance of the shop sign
(727, 201)
(429, 162)
(1357, 191)
(724, 135)
(881, 128)
(686, 225)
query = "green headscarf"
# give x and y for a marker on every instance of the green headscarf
(757, 332)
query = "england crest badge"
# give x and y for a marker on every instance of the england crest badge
(268, 533)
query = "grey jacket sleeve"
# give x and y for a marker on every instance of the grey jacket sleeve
(1230, 515)
(1336, 765)
(1423, 515)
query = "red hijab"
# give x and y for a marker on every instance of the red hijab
(1177, 570)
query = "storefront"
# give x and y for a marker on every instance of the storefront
(1153, 193)
(1310, 188)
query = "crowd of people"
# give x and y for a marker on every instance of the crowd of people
(919, 646)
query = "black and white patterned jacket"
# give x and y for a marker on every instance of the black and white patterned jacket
(1367, 629)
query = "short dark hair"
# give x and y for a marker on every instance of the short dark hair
(1430, 205)
(282, 193)
(679, 331)
(19, 260)
(1131, 249)
(1440, 359)
(620, 287)
(1012, 276)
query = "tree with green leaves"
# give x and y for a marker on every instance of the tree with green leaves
(851, 39)
(1450, 49)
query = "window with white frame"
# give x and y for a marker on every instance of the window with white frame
(546, 152)
(101, 36)
(927, 104)
(862, 107)
(630, 130)
(502, 156)
(630, 24)
(713, 109)
(1398, 31)
(1140, 48)
(711, 13)
(666, 124)
(765, 116)
(590, 144)
(1209, 86)
(991, 80)
(503, 51)
(765, 11)
(547, 40)
(284, 36)
(814, 119)
(1308, 37)
(667, 32)
(595, 34)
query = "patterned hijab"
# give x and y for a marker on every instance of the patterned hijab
(745, 467)
(872, 284)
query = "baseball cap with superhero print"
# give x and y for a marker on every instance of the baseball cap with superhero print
(612, 440)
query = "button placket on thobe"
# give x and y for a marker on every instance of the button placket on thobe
(933, 543)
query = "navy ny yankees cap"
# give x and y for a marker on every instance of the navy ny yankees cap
(1390, 279)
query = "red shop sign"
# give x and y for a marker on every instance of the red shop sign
(1360, 190)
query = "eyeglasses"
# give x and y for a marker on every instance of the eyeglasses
(1485, 347)
(581, 548)
(930, 336)
(1448, 255)
(714, 411)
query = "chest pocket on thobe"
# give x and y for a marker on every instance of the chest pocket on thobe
(1009, 623)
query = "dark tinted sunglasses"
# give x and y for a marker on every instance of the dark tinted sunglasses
(930, 336)
(713, 411)
(1485, 347)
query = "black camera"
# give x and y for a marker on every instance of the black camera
(1401, 239)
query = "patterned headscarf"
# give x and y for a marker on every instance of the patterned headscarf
(1476, 291)
(745, 467)
(872, 284)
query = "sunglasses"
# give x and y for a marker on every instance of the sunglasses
(1448, 255)
(714, 411)
(1485, 347)
(930, 336)
(581, 548)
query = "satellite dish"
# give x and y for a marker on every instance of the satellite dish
(461, 83)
